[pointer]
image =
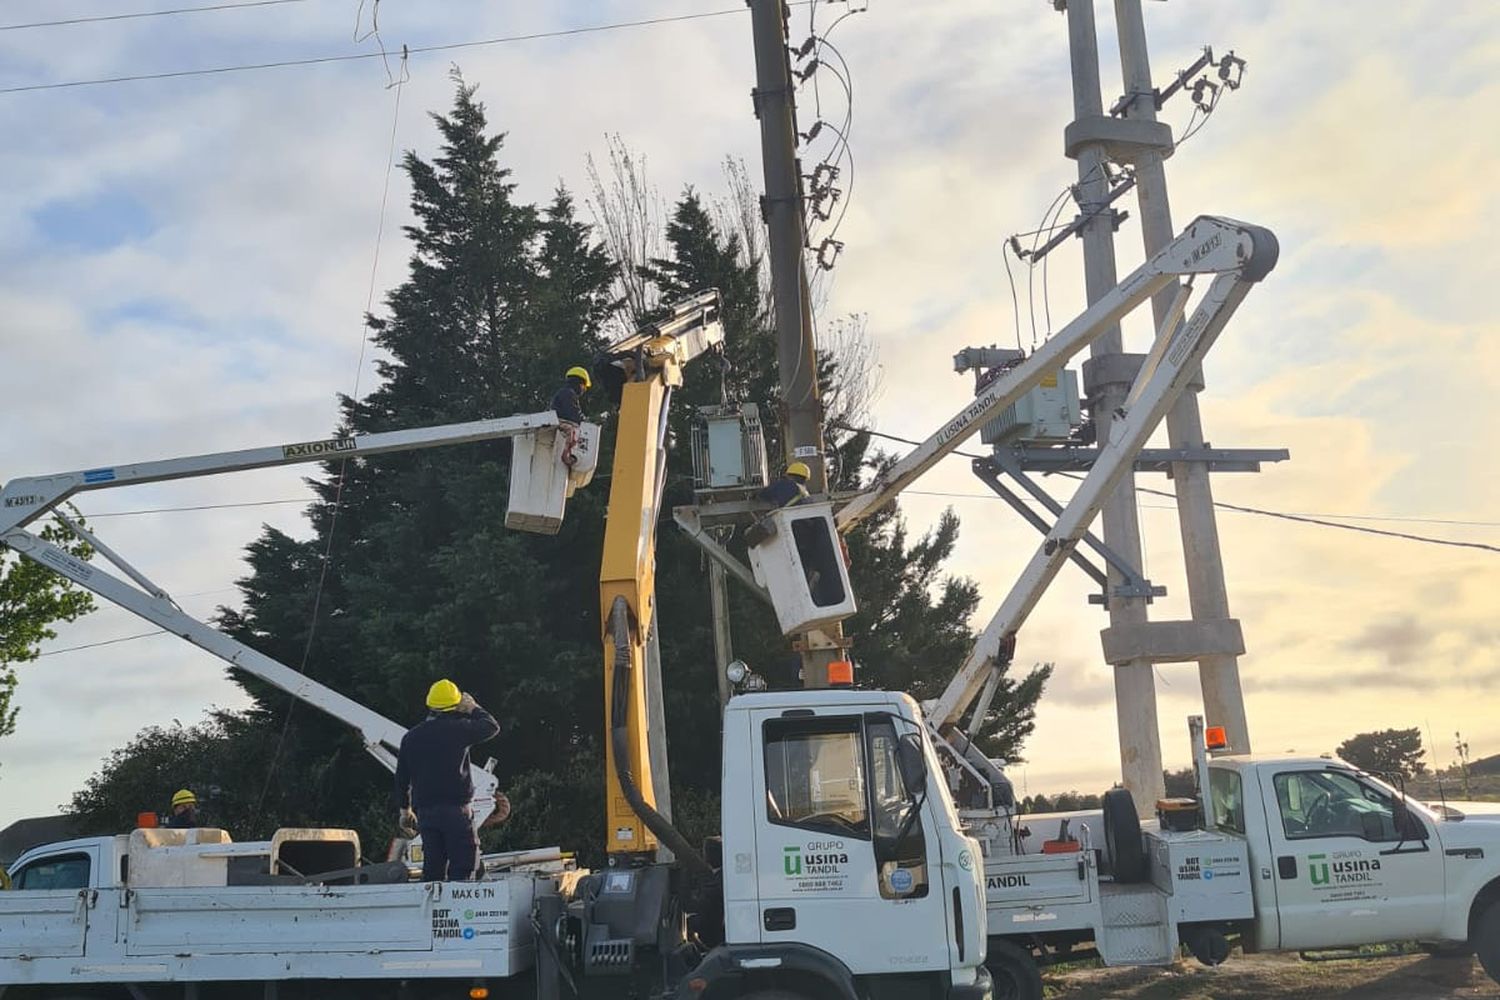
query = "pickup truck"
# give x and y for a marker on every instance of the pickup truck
(192, 906)
(1288, 853)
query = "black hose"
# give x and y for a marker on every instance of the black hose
(619, 630)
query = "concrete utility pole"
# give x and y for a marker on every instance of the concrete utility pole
(1218, 671)
(1107, 377)
(796, 350)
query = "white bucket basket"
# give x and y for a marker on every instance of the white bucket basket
(802, 566)
(540, 483)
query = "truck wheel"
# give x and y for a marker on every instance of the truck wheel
(1487, 941)
(1014, 971)
(1122, 837)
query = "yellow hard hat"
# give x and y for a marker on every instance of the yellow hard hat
(183, 797)
(799, 469)
(443, 696)
(581, 373)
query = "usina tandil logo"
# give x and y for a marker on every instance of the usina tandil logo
(1317, 868)
(791, 860)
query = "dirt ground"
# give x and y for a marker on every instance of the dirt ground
(1282, 977)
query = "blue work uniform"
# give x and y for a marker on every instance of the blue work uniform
(432, 779)
(784, 491)
(567, 403)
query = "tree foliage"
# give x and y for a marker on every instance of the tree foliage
(1386, 751)
(32, 600)
(422, 580)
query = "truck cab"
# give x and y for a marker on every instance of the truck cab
(1341, 858)
(84, 863)
(839, 849)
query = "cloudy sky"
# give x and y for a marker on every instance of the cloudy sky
(185, 262)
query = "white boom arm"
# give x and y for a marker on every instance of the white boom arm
(24, 500)
(1239, 255)
(1210, 245)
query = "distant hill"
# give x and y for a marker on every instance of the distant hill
(1485, 765)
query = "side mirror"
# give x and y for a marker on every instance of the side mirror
(913, 763)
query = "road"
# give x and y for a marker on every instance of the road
(1274, 977)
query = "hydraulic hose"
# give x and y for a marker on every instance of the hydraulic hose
(619, 631)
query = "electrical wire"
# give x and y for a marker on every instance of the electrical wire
(338, 490)
(358, 56)
(205, 506)
(1241, 509)
(146, 13)
(102, 642)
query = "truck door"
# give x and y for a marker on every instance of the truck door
(1344, 875)
(834, 866)
(47, 913)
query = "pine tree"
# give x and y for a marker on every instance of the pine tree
(411, 576)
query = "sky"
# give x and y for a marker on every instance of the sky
(185, 262)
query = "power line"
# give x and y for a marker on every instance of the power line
(146, 13)
(357, 56)
(206, 506)
(104, 642)
(1283, 515)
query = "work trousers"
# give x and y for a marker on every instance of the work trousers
(450, 846)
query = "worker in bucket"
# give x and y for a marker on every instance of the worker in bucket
(789, 488)
(184, 815)
(433, 787)
(567, 403)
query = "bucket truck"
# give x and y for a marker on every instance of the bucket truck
(1281, 853)
(842, 871)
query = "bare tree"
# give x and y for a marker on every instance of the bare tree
(628, 211)
(630, 214)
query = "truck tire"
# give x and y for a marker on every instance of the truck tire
(1014, 971)
(1487, 940)
(1122, 837)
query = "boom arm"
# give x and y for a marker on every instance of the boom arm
(1239, 255)
(1210, 245)
(653, 359)
(25, 500)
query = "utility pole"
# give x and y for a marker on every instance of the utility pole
(796, 350)
(1107, 376)
(1208, 598)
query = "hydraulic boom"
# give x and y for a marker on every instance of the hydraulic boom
(23, 501)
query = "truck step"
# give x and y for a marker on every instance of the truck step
(1137, 929)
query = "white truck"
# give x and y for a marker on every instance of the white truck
(1284, 853)
(842, 866)
(844, 872)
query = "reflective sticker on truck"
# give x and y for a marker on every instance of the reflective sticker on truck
(818, 866)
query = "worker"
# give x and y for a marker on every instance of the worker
(789, 488)
(184, 815)
(567, 403)
(433, 787)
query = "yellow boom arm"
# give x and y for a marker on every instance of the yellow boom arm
(651, 360)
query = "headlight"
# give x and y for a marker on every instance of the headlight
(736, 671)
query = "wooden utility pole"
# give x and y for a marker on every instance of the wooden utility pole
(796, 348)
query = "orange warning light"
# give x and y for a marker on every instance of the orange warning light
(1215, 738)
(840, 673)
(145, 820)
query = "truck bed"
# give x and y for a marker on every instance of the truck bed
(407, 931)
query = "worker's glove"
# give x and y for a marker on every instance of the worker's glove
(502, 808)
(467, 704)
(406, 822)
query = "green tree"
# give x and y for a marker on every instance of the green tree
(32, 600)
(1386, 751)
(410, 575)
